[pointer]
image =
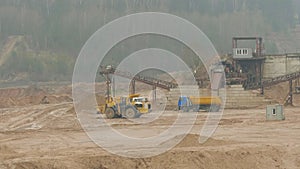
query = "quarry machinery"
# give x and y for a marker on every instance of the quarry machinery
(131, 106)
(108, 70)
(191, 103)
(248, 65)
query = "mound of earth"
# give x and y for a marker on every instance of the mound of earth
(32, 95)
(193, 140)
(238, 157)
(279, 93)
(50, 136)
(46, 117)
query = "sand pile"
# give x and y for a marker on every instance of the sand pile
(32, 95)
(238, 157)
(193, 140)
(45, 117)
(279, 93)
(49, 136)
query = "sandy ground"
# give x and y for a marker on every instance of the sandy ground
(50, 136)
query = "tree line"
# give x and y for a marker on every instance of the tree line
(63, 26)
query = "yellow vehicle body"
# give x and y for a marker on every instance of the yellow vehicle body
(206, 100)
(130, 107)
(141, 103)
(192, 103)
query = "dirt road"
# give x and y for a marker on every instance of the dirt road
(49, 136)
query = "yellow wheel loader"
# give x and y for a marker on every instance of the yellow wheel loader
(132, 106)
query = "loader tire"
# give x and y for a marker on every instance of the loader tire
(130, 113)
(214, 108)
(110, 113)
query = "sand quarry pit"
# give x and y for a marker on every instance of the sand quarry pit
(47, 136)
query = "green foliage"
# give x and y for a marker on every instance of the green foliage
(65, 25)
(39, 67)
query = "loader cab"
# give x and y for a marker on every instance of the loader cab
(142, 104)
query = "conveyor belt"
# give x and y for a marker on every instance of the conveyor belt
(273, 81)
(147, 80)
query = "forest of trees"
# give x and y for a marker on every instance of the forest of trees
(63, 26)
